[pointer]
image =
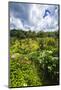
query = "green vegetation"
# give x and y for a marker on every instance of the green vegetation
(34, 58)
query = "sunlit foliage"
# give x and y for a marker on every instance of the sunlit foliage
(34, 60)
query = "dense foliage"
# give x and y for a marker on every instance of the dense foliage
(32, 34)
(34, 58)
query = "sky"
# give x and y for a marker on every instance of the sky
(33, 17)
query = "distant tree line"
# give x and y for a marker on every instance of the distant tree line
(32, 34)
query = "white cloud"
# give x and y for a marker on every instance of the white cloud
(16, 23)
(35, 19)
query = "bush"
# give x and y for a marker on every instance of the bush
(49, 66)
(51, 42)
(33, 62)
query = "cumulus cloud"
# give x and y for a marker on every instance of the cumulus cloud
(34, 16)
(15, 23)
(49, 21)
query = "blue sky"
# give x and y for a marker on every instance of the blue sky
(35, 17)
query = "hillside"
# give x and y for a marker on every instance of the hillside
(34, 58)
